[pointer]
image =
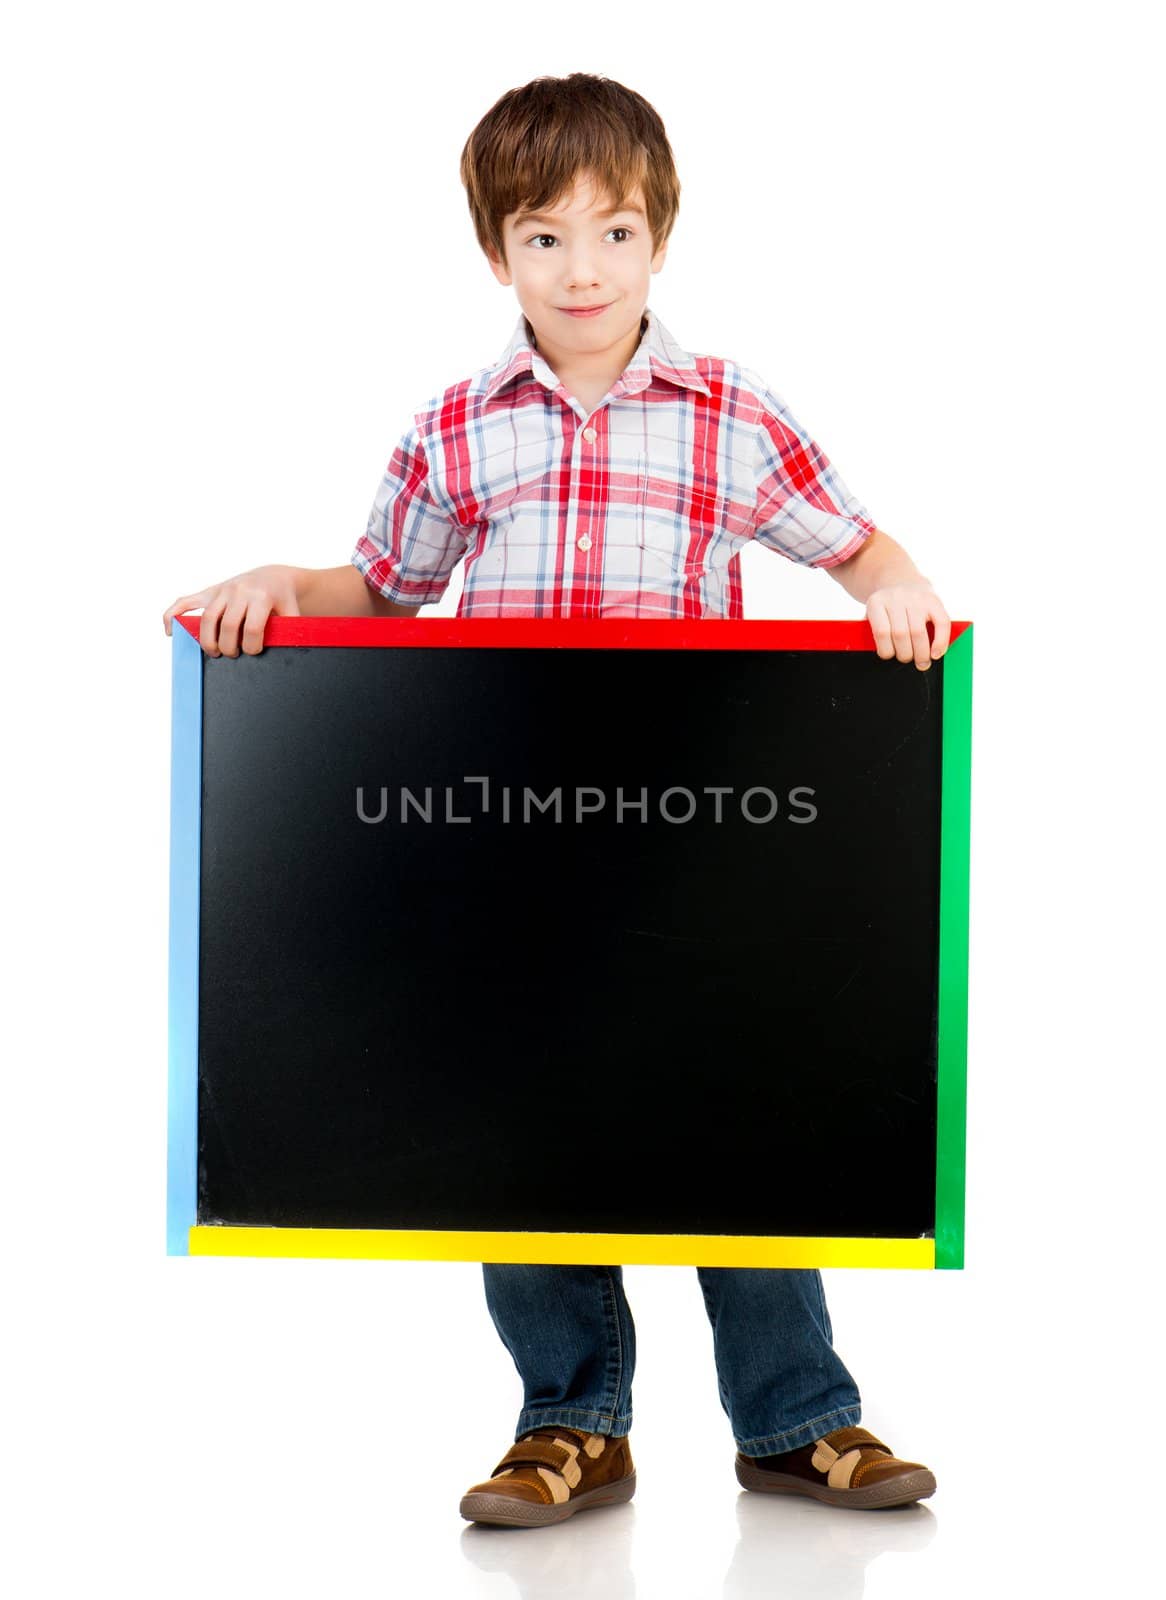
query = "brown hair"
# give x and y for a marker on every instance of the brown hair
(527, 151)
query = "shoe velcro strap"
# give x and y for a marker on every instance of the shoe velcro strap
(845, 1439)
(535, 1453)
(845, 1442)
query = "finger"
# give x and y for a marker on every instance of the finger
(229, 627)
(188, 602)
(255, 625)
(880, 626)
(208, 633)
(900, 631)
(942, 623)
(917, 622)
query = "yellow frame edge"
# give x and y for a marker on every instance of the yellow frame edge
(601, 1249)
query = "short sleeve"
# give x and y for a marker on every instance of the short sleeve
(803, 510)
(412, 542)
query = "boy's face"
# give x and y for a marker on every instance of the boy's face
(581, 254)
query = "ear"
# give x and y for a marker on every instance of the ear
(658, 258)
(498, 268)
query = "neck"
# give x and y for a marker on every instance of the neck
(588, 374)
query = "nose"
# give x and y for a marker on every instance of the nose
(582, 270)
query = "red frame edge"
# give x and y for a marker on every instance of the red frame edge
(567, 632)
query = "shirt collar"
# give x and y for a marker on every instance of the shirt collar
(657, 354)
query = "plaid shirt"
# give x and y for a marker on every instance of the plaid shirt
(640, 509)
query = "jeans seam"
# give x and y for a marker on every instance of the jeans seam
(827, 1325)
(570, 1411)
(610, 1282)
(816, 1425)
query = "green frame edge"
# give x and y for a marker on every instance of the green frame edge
(952, 1041)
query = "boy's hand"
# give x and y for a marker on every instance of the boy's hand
(244, 602)
(898, 617)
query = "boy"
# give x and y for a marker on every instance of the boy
(598, 469)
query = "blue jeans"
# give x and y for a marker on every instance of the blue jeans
(570, 1332)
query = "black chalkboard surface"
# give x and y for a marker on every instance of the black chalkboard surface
(583, 931)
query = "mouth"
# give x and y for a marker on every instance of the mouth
(584, 311)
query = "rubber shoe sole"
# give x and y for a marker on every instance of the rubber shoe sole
(505, 1511)
(900, 1491)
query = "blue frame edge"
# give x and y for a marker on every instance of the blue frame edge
(185, 847)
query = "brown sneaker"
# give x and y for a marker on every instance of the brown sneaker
(550, 1474)
(848, 1467)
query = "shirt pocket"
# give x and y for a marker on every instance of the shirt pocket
(679, 525)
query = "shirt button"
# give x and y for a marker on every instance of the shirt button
(584, 543)
(590, 435)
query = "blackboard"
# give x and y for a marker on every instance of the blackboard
(569, 940)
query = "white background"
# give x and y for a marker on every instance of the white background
(237, 257)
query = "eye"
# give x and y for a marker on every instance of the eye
(536, 237)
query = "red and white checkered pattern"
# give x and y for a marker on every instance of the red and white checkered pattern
(640, 509)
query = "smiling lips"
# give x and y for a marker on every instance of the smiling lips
(583, 311)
